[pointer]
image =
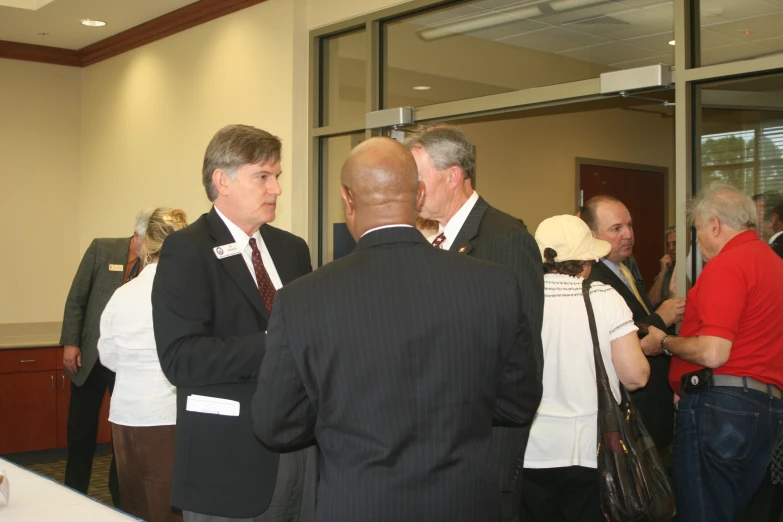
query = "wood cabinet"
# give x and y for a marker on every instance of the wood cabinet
(34, 398)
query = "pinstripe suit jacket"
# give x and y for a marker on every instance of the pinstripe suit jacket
(397, 358)
(92, 287)
(495, 236)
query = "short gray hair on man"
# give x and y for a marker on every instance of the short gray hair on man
(234, 146)
(670, 230)
(141, 222)
(447, 147)
(732, 208)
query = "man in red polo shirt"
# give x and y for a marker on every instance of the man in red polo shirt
(727, 363)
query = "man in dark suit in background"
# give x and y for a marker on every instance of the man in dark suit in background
(211, 301)
(106, 265)
(469, 225)
(771, 220)
(610, 220)
(396, 370)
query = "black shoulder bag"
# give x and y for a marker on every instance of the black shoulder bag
(634, 483)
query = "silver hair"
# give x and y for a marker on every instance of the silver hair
(724, 202)
(670, 230)
(447, 147)
(141, 222)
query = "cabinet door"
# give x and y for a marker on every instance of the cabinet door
(28, 403)
(63, 385)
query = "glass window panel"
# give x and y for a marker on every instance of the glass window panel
(334, 239)
(741, 136)
(489, 47)
(734, 30)
(343, 78)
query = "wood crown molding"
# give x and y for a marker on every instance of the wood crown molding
(174, 22)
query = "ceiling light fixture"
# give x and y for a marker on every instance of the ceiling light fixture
(93, 23)
(422, 88)
(470, 23)
(671, 42)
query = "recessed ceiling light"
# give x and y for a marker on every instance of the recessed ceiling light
(93, 23)
(671, 42)
(422, 88)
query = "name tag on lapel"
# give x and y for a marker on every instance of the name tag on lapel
(231, 249)
(116, 268)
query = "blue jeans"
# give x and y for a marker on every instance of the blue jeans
(723, 443)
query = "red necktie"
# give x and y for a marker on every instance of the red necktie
(265, 286)
(439, 240)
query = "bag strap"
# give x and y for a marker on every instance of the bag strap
(600, 370)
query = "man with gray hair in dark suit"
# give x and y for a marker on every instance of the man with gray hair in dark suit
(107, 264)
(470, 226)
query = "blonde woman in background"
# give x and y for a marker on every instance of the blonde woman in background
(143, 409)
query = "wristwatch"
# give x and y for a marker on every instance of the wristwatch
(663, 346)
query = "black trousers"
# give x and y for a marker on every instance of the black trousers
(569, 494)
(83, 416)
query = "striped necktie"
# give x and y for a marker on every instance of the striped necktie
(629, 277)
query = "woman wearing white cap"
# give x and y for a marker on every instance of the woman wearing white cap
(561, 482)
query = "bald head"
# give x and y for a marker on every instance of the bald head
(379, 185)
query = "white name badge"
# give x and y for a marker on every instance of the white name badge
(213, 405)
(228, 250)
(116, 268)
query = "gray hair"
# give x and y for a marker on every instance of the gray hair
(141, 222)
(670, 230)
(447, 147)
(234, 146)
(724, 202)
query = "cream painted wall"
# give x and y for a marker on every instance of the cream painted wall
(526, 166)
(40, 109)
(149, 114)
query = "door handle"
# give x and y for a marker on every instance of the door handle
(52, 377)
(62, 387)
(27, 361)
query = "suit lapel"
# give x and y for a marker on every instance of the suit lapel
(281, 257)
(235, 265)
(462, 243)
(615, 282)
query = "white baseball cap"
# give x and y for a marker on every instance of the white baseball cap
(571, 239)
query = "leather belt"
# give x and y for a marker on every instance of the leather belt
(747, 382)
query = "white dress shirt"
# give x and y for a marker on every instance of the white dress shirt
(385, 226)
(774, 237)
(454, 225)
(142, 395)
(243, 242)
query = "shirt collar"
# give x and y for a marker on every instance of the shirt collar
(454, 225)
(240, 238)
(385, 226)
(740, 239)
(774, 237)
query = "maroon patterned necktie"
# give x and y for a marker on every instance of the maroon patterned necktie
(265, 286)
(438, 241)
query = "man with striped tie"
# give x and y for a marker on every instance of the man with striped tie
(610, 220)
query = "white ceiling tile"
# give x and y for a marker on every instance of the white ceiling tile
(773, 44)
(722, 11)
(757, 28)
(641, 3)
(553, 40)
(613, 52)
(665, 9)
(653, 60)
(498, 4)
(730, 53)
(656, 42)
(444, 15)
(710, 39)
(624, 25)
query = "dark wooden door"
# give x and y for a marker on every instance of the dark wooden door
(63, 385)
(643, 193)
(28, 407)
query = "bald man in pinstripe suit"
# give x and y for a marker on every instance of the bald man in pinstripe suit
(396, 371)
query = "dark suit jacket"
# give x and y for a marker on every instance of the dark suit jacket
(495, 236)
(655, 401)
(777, 245)
(210, 324)
(92, 287)
(397, 358)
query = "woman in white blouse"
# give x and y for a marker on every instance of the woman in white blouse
(143, 408)
(560, 480)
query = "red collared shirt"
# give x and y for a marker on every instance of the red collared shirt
(739, 296)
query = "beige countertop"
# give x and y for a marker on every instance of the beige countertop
(29, 335)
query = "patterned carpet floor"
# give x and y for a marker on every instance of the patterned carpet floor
(99, 483)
